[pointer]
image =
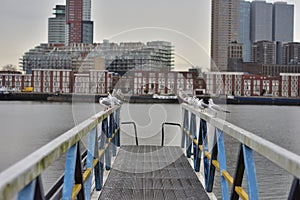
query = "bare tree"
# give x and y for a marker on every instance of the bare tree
(9, 67)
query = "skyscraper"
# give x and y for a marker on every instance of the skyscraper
(56, 26)
(261, 21)
(79, 25)
(264, 52)
(244, 33)
(283, 22)
(224, 30)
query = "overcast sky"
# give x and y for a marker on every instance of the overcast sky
(184, 23)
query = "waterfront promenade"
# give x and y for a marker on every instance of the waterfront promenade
(103, 133)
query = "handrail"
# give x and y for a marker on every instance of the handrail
(135, 131)
(163, 130)
(216, 158)
(287, 160)
(27, 170)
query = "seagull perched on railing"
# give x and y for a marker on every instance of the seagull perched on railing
(215, 107)
(202, 105)
(118, 94)
(114, 99)
(106, 102)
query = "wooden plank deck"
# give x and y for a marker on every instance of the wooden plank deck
(152, 172)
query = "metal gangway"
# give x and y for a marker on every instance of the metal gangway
(85, 170)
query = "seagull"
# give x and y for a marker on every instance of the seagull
(215, 107)
(202, 105)
(183, 97)
(106, 102)
(118, 94)
(114, 99)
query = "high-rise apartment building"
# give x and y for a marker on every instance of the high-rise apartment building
(264, 52)
(291, 53)
(224, 30)
(57, 26)
(79, 25)
(261, 21)
(244, 33)
(283, 22)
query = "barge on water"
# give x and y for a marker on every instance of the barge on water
(263, 100)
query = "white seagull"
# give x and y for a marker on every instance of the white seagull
(202, 105)
(214, 106)
(118, 94)
(114, 99)
(106, 102)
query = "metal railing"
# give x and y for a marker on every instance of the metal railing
(135, 131)
(24, 178)
(197, 142)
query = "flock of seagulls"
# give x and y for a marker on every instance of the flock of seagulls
(194, 101)
(115, 98)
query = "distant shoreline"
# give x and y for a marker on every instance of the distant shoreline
(146, 99)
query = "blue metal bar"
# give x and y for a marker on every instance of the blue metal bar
(107, 151)
(89, 161)
(250, 172)
(222, 163)
(238, 175)
(212, 168)
(295, 190)
(73, 172)
(28, 191)
(69, 172)
(188, 141)
(112, 130)
(118, 126)
(102, 147)
(198, 150)
(97, 167)
(203, 130)
(184, 126)
(195, 146)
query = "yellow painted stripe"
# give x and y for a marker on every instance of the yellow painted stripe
(76, 190)
(95, 162)
(228, 177)
(207, 154)
(101, 153)
(195, 142)
(216, 164)
(241, 193)
(86, 174)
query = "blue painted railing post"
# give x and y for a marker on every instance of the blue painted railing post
(222, 163)
(97, 167)
(103, 139)
(117, 136)
(188, 143)
(33, 190)
(184, 126)
(195, 146)
(212, 168)
(92, 140)
(203, 130)
(113, 133)
(73, 173)
(250, 172)
(108, 150)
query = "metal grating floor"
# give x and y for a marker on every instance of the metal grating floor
(152, 172)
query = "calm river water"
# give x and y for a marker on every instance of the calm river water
(27, 126)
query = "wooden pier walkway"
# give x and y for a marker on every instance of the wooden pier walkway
(152, 172)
